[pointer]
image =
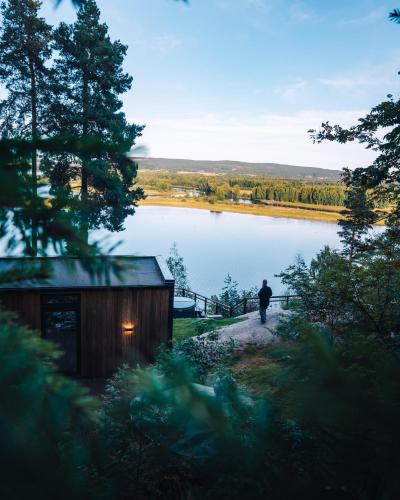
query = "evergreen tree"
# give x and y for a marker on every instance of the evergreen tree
(177, 268)
(230, 295)
(86, 104)
(359, 217)
(24, 49)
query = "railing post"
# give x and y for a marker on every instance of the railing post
(287, 300)
(245, 306)
(183, 292)
(205, 306)
(230, 311)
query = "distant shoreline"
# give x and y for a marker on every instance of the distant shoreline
(261, 210)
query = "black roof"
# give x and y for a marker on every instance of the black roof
(69, 272)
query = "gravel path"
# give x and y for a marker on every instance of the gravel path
(251, 331)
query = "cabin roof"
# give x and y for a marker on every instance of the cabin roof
(71, 273)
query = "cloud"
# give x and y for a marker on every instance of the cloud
(378, 75)
(266, 138)
(294, 89)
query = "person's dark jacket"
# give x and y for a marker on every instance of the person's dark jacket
(265, 294)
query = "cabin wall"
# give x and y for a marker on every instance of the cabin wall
(26, 305)
(117, 325)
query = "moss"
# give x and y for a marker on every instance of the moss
(255, 368)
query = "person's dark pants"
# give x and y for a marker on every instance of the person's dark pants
(263, 314)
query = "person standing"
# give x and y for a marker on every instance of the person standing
(264, 295)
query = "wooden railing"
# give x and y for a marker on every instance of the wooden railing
(206, 305)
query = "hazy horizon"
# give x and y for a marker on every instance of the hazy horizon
(222, 160)
(246, 79)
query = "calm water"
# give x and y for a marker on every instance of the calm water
(248, 247)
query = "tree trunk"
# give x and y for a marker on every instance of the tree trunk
(34, 132)
(84, 229)
(351, 250)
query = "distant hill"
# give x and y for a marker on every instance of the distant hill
(232, 168)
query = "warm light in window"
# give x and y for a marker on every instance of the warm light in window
(128, 329)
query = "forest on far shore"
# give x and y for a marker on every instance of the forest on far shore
(237, 168)
(220, 187)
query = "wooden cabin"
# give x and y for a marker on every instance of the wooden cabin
(99, 322)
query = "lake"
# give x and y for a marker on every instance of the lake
(212, 244)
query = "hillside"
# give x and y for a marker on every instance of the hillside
(239, 168)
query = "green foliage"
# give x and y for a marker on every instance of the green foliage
(330, 425)
(177, 267)
(328, 429)
(359, 217)
(20, 204)
(45, 422)
(291, 191)
(361, 298)
(203, 353)
(230, 169)
(230, 295)
(25, 40)
(379, 130)
(184, 429)
(87, 82)
(24, 50)
(256, 368)
(229, 188)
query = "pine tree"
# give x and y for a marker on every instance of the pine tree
(177, 267)
(24, 49)
(359, 216)
(86, 104)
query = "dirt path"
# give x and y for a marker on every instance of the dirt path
(251, 331)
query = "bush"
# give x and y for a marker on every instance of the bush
(330, 426)
(202, 353)
(47, 422)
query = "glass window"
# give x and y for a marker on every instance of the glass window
(61, 299)
(61, 324)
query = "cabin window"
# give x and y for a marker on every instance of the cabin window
(61, 324)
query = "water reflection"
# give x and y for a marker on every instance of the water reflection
(214, 244)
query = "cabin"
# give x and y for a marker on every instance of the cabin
(99, 321)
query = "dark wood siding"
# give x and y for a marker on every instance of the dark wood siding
(117, 325)
(26, 305)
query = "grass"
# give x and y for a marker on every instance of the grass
(307, 206)
(256, 368)
(185, 328)
(268, 210)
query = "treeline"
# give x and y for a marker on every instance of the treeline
(303, 193)
(256, 188)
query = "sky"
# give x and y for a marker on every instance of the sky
(246, 79)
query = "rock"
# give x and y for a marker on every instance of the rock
(251, 332)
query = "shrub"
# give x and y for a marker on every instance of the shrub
(203, 354)
(46, 422)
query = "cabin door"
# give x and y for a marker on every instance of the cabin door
(61, 324)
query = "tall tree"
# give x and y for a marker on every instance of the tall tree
(24, 49)
(86, 105)
(359, 217)
(177, 267)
